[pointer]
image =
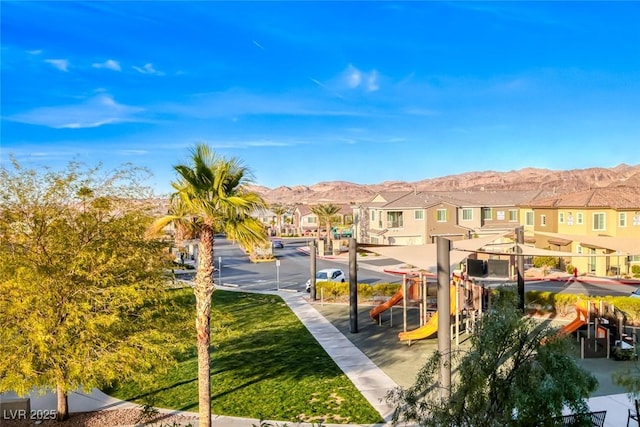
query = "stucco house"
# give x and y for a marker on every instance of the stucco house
(600, 227)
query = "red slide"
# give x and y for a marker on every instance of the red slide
(396, 298)
(581, 319)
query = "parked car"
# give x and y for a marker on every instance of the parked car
(636, 293)
(327, 275)
(277, 244)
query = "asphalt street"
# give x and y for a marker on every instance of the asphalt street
(293, 269)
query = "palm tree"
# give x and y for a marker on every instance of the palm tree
(279, 210)
(326, 212)
(211, 196)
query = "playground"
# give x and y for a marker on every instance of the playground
(401, 362)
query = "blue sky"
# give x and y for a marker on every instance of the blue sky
(305, 92)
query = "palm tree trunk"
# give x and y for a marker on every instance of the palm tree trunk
(328, 233)
(63, 404)
(203, 289)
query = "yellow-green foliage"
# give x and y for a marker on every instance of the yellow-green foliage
(540, 299)
(542, 261)
(549, 301)
(629, 306)
(386, 289)
(564, 303)
(332, 291)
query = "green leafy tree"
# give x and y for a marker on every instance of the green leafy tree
(211, 196)
(326, 213)
(81, 289)
(516, 373)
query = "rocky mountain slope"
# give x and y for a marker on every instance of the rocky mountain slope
(559, 181)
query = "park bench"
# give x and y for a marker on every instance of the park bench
(587, 419)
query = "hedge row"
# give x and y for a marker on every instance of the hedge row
(333, 291)
(563, 304)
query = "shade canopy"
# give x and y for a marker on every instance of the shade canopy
(425, 256)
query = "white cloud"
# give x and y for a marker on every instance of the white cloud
(354, 78)
(148, 69)
(133, 152)
(417, 111)
(267, 143)
(94, 112)
(60, 64)
(109, 64)
(236, 103)
(372, 81)
(34, 52)
(258, 44)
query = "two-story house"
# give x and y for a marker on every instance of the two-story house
(414, 218)
(600, 226)
(490, 212)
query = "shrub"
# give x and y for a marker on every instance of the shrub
(543, 300)
(542, 261)
(635, 269)
(623, 353)
(570, 268)
(338, 290)
(564, 303)
(629, 306)
(385, 289)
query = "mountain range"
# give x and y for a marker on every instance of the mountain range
(553, 181)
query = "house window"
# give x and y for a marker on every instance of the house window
(579, 249)
(513, 215)
(487, 213)
(569, 219)
(373, 215)
(311, 220)
(441, 215)
(599, 221)
(622, 219)
(418, 214)
(467, 214)
(394, 219)
(528, 218)
(543, 220)
(561, 217)
(500, 215)
(579, 218)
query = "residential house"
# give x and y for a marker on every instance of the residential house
(414, 218)
(305, 222)
(491, 212)
(599, 225)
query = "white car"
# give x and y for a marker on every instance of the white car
(635, 294)
(327, 275)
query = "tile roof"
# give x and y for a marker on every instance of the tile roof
(606, 197)
(422, 199)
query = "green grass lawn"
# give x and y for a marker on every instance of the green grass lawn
(265, 364)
